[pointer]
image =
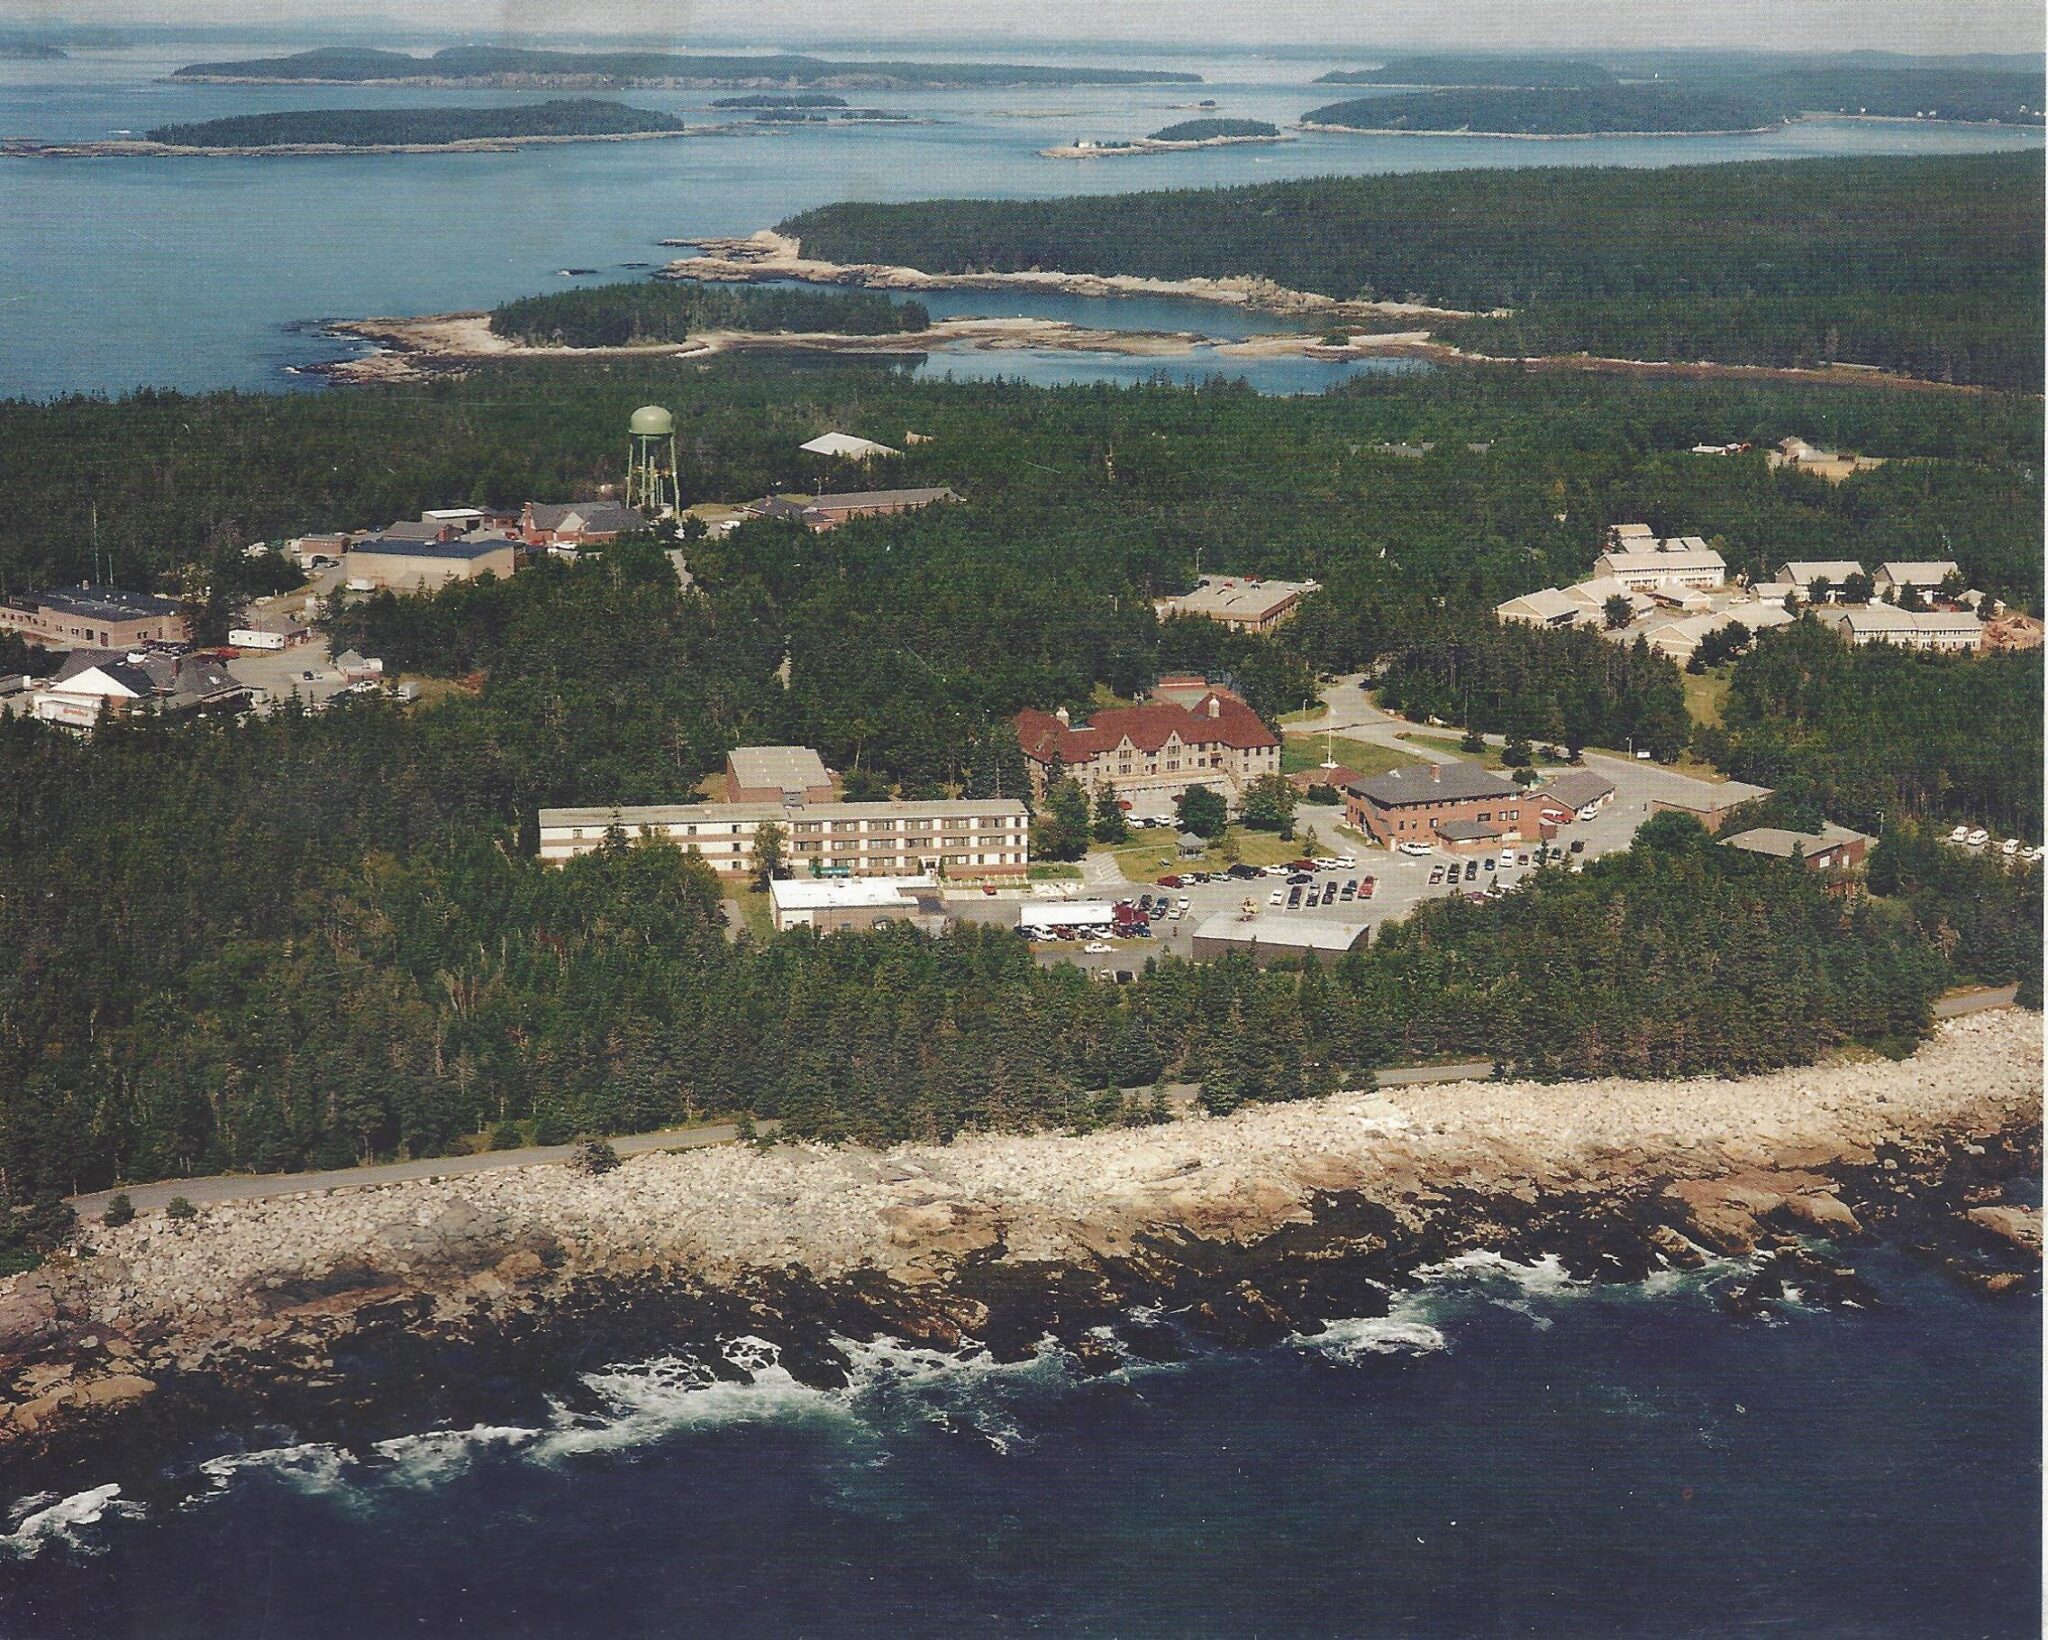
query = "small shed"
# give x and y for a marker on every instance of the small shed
(1192, 846)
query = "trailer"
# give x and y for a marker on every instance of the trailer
(1044, 922)
(249, 637)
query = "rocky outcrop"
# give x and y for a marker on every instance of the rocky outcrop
(366, 1311)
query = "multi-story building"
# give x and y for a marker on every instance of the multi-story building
(1949, 631)
(1153, 753)
(1415, 805)
(952, 837)
(85, 617)
(1893, 578)
(1641, 563)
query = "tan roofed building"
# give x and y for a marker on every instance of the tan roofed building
(776, 774)
(956, 837)
(1244, 603)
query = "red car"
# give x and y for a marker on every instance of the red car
(1169, 882)
(1365, 887)
(1301, 865)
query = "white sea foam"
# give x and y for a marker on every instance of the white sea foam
(1544, 1278)
(440, 1455)
(648, 1400)
(1401, 1331)
(48, 1519)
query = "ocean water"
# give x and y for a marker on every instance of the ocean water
(203, 273)
(1506, 1454)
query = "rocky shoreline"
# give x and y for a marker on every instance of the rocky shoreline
(357, 1314)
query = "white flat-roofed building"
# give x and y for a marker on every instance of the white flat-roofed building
(952, 837)
(1277, 937)
(776, 774)
(832, 904)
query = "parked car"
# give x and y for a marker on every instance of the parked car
(1960, 834)
(1436, 875)
(2010, 846)
(1168, 881)
(1417, 848)
(1299, 878)
(1301, 865)
(1244, 873)
(1471, 870)
(1349, 891)
(1330, 892)
(1521, 859)
(1978, 838)
(1489, 862)
(1578, 845)
(1098, 948)
(1293, 898)
(1366, 885)
(1276, 897)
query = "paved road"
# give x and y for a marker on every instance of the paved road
(236, 1187)
(1974, 1002)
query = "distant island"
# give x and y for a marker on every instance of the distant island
(1206, 133)
(647, 313)
(15, 49)
(1210, 130)
(1614, 111)
(782, 99)
(1505, 73)
(511, 66)
(380, 130)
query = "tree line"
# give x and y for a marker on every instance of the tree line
(1760, 262)
(620, 315)
(380, 127)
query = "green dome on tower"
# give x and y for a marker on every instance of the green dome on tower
(652, 421)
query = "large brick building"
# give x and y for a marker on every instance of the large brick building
(956, 837)
(94, 618)
(1417, 805)
(1153, 753)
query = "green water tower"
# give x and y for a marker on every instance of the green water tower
(651, 462)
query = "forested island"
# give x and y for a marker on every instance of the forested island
(1927, 266)
(517, 66)
(17, 49)
(329, 937)
(1209, 130)
(626, 315)
(782, 99)
(1585, 112)
(1476, 70)
(416, 127)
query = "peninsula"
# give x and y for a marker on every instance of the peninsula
(382, 130)
(1499, 73)
(1547, 112)
(507, 66)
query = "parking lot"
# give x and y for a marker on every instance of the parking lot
(1401, 881)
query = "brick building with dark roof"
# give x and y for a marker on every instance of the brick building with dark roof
(1153, 753)
(1415, 805)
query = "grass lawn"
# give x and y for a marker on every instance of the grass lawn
(754, 908)
(1488, 759)
(1051, 871)
(1304, 752)
(1321, 709)
(1705, 694)
(1155, 853)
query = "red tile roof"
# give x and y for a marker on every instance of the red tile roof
(1044, 737)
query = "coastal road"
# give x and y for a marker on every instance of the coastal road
(242, 1187)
